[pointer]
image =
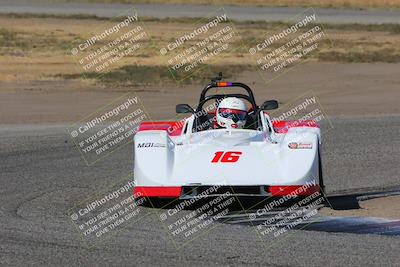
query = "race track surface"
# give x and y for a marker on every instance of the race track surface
(240, 13)
(42, 176)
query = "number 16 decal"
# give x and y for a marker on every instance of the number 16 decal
(229, 156)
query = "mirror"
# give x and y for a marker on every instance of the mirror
(184, 108)
(269, 104)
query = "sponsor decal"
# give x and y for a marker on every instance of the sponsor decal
(294, 145)
(146, 145)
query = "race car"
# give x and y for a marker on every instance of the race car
(195, 157)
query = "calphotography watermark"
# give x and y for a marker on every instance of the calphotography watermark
(108, 129)
(200, 44)
(101, 215)
(116, 40)
(294, 210)
(305, 112)
(297, 127)
(197, 213)
(288, 46)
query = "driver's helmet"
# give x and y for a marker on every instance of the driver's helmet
(231, 113)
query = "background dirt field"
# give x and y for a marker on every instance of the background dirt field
(38, 71)
(284, 3)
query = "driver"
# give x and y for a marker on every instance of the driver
(231, 113)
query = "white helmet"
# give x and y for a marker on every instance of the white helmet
(231, 113)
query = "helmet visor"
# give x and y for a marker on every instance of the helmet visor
(232, 113)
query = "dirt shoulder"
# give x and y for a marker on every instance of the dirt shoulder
(342, 89)
(385, 207)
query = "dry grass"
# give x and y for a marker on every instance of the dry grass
(279, 3)
(34, 48)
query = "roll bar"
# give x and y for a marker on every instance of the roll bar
(216, 83)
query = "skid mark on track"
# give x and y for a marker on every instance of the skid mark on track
(325, 223)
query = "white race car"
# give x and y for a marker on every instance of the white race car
(193, 158)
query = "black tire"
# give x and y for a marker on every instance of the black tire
(321, 178)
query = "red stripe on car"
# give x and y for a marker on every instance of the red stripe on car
(157, 191)
(173, 128)
(298, 190)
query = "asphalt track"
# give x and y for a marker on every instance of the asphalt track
(239, 13)
(42, 176)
